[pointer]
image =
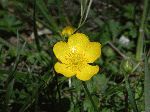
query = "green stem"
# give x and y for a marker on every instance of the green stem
(139, 49)
(84, 13)
(131, 96)
(89, 95)
(147, 86)
(44, 11)
(35, 28)
(136, 66)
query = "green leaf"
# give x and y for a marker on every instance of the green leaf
(129, 11)
(115, 28)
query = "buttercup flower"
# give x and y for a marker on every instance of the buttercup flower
(67, 31)
(76, 55)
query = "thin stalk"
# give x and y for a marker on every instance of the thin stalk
(117, 50)
(84, 14)
(30, 101)
(35, 28)
(10, 80)
(126, 102)
(44, 11)
(139, 49)
(71, 93)
(57, 85)
(88, 10)
(83, 8)
(130, 95)
(89, 95)
(136, 66)
(14, 68)
(147, 86)
(36, 98)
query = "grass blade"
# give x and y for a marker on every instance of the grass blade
(42, 7)
(147, 86)
(90, 97)
(10, 80)
(30, 101)
(8, 94)
(131, 95)
(35, 28)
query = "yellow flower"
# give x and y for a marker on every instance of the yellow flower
(75, 55)
(67, 31)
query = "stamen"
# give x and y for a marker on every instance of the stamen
(75, 61)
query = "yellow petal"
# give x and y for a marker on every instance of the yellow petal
(93, 51)
(63, 69)
(87, 72)
(77, 42)
(60, 50)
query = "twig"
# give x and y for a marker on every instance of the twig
(117, 50)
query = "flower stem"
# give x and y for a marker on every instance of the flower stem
(131, 95)
(147, 85)
(89, 95)
(139, 49)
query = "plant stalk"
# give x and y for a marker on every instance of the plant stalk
(89, 95)
(139, 49)
(130, 95)
(147, 86)
(35, 28)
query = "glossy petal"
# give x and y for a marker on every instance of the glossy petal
(75, 56)
(78, 42)
(60, 50)
(93, 51)
(63, 69)
(87, 72)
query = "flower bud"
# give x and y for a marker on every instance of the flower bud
(67, 31)
(127, 66)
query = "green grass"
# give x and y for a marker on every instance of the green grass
(28, 81)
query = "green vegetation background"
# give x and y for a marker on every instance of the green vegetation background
(30, 28)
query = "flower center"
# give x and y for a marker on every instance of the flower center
(76, 61)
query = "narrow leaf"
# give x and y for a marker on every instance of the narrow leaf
(147, 86)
